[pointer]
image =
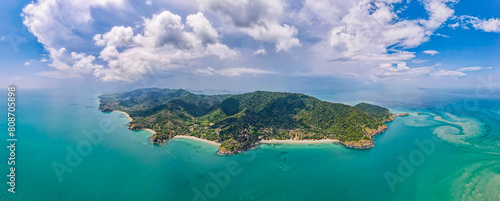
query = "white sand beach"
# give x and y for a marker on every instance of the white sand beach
(195, 138)
(128, 116)
(297, 141)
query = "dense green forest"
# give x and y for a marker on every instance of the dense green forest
(240, 121)
(381, 113)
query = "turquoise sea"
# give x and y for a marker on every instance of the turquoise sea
(68, 150)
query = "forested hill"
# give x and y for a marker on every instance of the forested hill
(241, 121)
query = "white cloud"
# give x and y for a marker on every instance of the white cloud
(417, 61)
(220, 50)
(209, 71)
(473, 68)
(164, 42)
(233, 71)
(166, 28)
(430, 52)
(400, 69)
(165, 45)
(364, 34)
(69, 66)
(119, 36)
(261, 51)
(442, 35)
(454, 25)
(281, 35)
(448, 73)
(260, 19)
(323, 11)
(490, 25)
(365, 38)
(54, 22)
(439, 12)
(202, 28)
(27, 63)
(370, 30)
(459, 72)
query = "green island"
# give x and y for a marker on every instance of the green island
(241, 121)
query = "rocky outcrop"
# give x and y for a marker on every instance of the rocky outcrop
(373, 132)
(401, 115)
(361, 144)
(366, 143)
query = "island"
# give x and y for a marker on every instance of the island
(239, 122)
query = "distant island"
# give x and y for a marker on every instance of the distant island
(239, 122)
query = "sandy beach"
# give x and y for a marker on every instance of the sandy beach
(297, 141)
(262, 141)
(195, 138)
(129, 118)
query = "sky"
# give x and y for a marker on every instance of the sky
(243, 45)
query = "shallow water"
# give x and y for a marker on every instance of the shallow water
(448, 152)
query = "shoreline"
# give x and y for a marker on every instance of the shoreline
(298, 141)
(126, 114)
(323, 141)
(197, 139)
(130, 120)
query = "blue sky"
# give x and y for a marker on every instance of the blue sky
(248, 45)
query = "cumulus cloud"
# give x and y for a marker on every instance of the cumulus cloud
(365, 34)
(400, 69)
(369, 30)
(439, 12)
(261, 51)
(165, 45)
(118, 36)
(161, 42)
(54, 22)
(430, 52)
(491, 25)
(260, 19)
(323, 11)
(233, 71)
(202, 28)
(70, 65)
(366, 38)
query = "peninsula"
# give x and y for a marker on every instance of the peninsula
(239, 122)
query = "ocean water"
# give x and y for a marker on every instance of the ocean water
(68, 150)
